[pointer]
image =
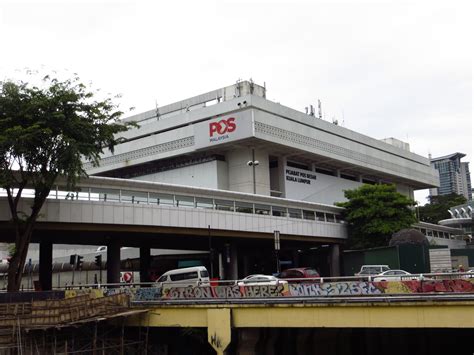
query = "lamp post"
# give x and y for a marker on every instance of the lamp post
(211, 251)
(276, 235)
(253, 163)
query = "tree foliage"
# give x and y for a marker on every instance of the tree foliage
(438, 207)
(48, 131)
(374, 213)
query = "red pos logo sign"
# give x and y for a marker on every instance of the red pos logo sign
(223, 126)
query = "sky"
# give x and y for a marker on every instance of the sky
(383, 68)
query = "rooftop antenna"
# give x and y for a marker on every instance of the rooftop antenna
(237, 87)
(311, 110)
(251, 86)
(157, 111)
(320, 111)
(264, 90)
(343, 120)
(306, 109)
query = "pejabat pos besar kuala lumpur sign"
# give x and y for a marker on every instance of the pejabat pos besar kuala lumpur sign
(223, 129)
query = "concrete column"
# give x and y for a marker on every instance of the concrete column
(334, 266)
(46, 265)
(221, 267)
(282, 175)
(113, 262)
(296, 258)
(145, 259)
(234, 262)
(246, 266)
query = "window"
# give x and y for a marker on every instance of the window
(297, 165)
(204, 273)
(184, 276)
(243, 207)
(184, 201)
(162, 278)
(134, 197)
(105, 195)
(205, 203)
(348, 177)
(294, 213)
(224, 205)
(279, 211)
(262, 209)
(324, 171)
(308, 215)
(330, 217)
(320, 216)
(162, 199)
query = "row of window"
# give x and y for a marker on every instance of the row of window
(174, 200)
(436, 234)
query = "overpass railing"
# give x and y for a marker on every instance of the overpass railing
(286, 289)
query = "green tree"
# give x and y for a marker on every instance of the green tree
(438, 207)
(48, 131)
(374, 213)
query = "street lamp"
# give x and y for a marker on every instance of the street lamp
(253, 163)
(276, 235)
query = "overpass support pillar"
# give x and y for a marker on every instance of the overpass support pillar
(231, 262)
(219, 329)
(234, 262)
(334, 263)
(144, 264)
(46, 265)
(113, 263)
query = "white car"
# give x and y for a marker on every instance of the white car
(396, 275)
(261, 280)
(469, 274)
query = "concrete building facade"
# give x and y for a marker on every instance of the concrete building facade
(235, 139)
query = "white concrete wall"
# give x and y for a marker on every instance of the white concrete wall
(211, 175)
(241, 175)
(405, 190)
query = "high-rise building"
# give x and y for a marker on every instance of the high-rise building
(454, 176)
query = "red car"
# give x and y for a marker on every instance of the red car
(299, 273)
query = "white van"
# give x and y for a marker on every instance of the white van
(189, 276)
(369, 270)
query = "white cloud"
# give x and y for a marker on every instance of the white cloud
(395, 68)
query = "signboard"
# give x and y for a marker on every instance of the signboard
(308, 185)
(223, 129)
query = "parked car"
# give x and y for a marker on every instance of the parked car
(190, 276)
(261, 280)
(397, 275)
(368, 270)
(299, 273)
(468, 275)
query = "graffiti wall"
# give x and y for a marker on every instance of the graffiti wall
(313, 289)
(327, 289)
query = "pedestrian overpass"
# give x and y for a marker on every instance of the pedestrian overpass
(122, 212)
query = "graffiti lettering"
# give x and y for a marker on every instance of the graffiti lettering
(333, 289)
(215, 341)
